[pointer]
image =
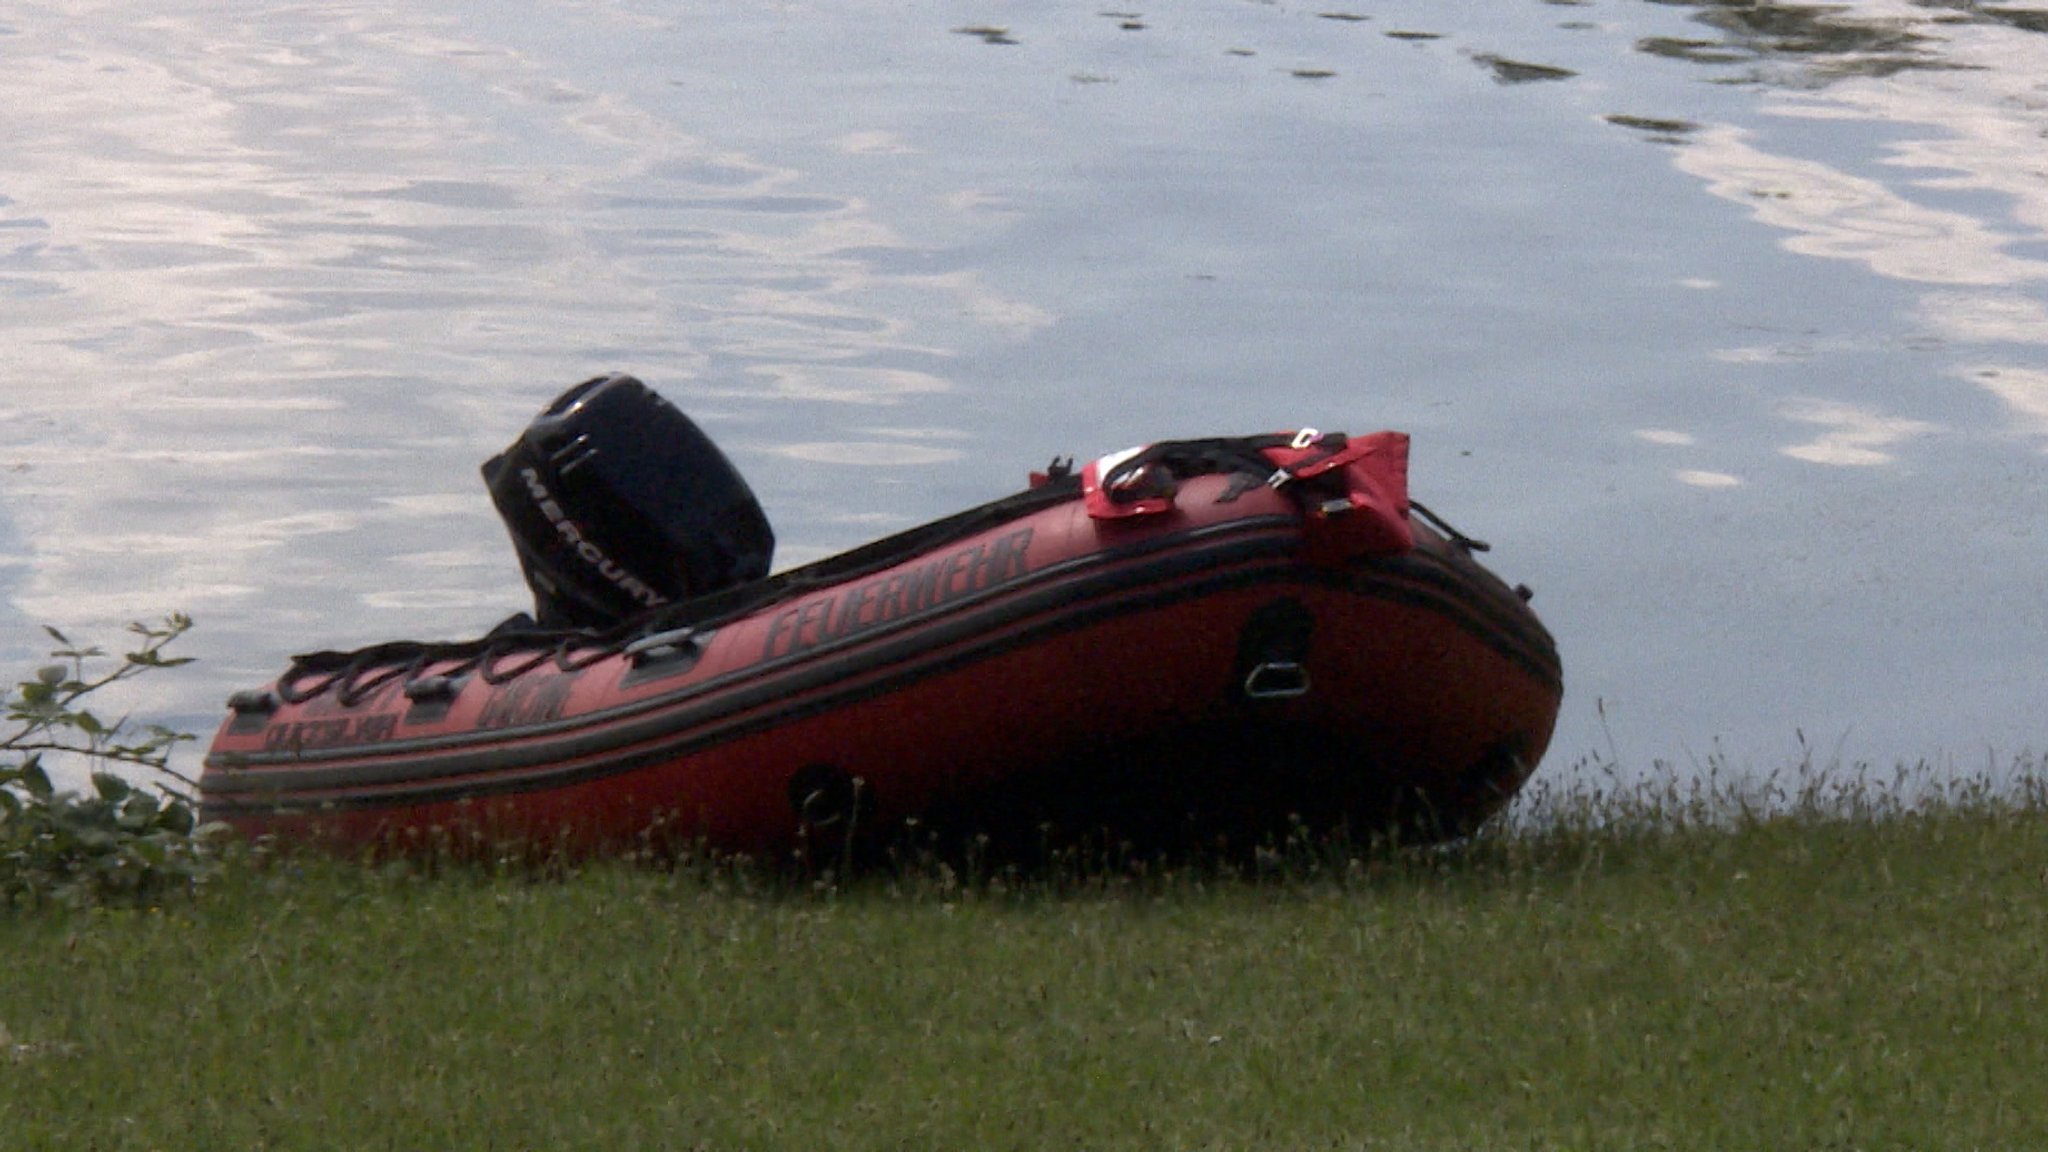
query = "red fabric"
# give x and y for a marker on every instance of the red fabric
(1356, 498)
(1353, 492)
(1102, 506)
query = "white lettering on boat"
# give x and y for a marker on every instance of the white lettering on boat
(614, 572)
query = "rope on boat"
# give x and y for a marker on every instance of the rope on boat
(1468, 543)
(518, 646)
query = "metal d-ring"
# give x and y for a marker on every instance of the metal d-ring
(657, 644)
(1276, 680)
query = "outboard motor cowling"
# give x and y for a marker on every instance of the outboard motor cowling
(618, 503)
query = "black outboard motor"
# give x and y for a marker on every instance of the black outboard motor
(618, 503)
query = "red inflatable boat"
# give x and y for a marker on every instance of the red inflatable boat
(1215, 638)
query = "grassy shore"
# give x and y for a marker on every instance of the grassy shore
(1858, 973)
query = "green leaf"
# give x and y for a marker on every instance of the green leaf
(138, 812)
(118, 842)
(34, 780)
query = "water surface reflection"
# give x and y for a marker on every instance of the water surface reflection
(1760, 410)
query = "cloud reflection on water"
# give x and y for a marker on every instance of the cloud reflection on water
(1839, 216)
(1853, 437)
(2024, 391)
(278, 281)
(275, 285)
(1972, 89)
(867, 453)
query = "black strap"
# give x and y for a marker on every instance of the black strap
(1237, 456)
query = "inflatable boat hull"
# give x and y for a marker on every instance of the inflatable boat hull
(1024, 671)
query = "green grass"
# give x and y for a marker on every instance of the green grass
(1849, 970)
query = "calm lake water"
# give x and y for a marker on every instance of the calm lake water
(1727, 324)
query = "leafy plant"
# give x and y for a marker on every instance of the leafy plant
(119, 842)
